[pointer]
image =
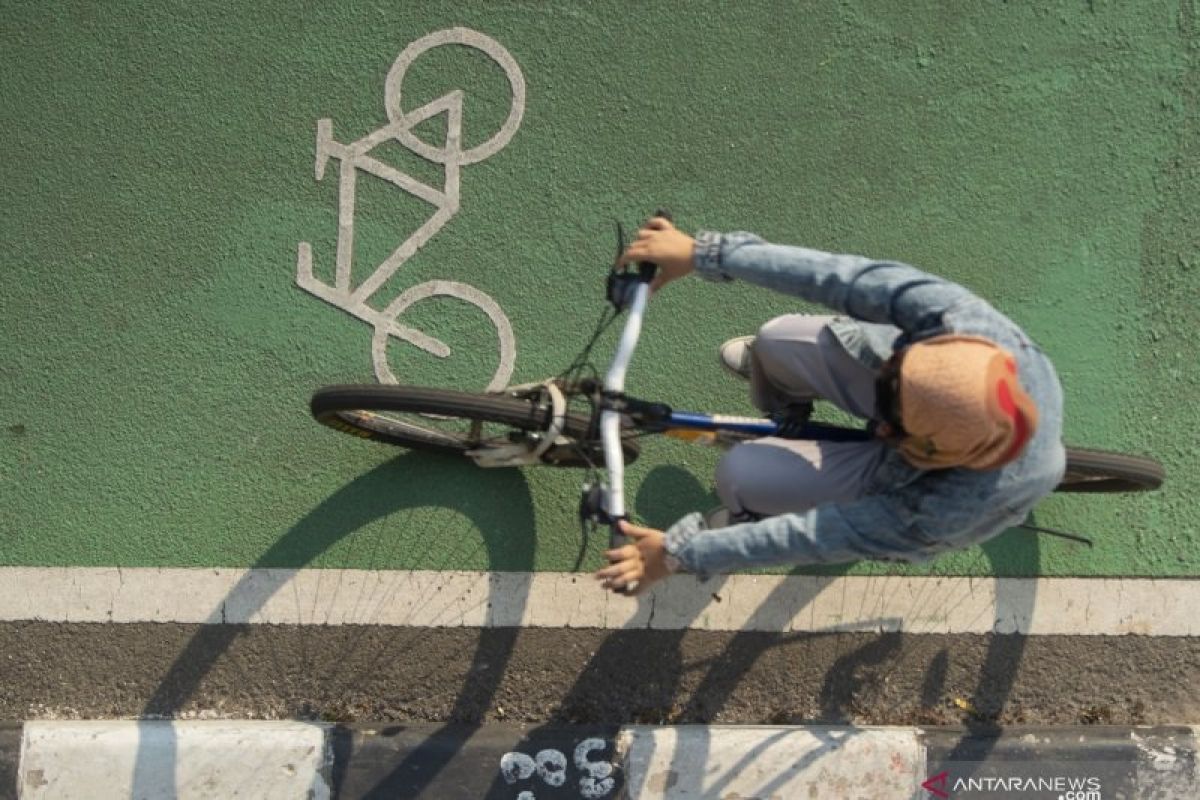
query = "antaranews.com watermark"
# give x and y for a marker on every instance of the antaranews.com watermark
(1029, 781)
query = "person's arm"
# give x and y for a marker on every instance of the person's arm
(837, 533)
(863, 288)
(870, 290)
(908, 523)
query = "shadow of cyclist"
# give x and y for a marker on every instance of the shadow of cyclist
(1016, 554)
(854, 672)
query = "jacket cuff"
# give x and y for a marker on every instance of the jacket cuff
(707, 257)
(675, 541)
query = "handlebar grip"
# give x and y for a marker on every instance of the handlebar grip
(664, 213)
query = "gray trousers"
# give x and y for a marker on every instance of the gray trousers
(794, 358)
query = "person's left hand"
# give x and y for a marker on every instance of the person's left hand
(643, 562)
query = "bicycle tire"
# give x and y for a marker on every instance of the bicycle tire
(354, 409)
(1103, 471)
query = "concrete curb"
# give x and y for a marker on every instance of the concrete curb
(205, 759)
(173, 759)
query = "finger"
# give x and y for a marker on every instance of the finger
(619, 567)
(626, 570)
(636, 531)
(624, 579)
(621, 554)
(659, 224)
(632, 253)
(608, 573)
(636, 250)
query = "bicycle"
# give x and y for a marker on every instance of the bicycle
(535, 424)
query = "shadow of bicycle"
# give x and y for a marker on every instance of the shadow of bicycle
(407, 482)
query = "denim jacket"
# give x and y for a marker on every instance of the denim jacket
(907, 514)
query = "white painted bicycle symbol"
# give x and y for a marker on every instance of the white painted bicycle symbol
(356, 156)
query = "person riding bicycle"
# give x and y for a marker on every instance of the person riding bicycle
(966, 409)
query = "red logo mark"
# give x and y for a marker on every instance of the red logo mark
(937, 784)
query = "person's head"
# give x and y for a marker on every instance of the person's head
(955, 401)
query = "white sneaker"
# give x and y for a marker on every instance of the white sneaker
(735, 356)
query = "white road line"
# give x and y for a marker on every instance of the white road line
(949, 605)
(103, 759)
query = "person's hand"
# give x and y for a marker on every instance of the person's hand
(644, 562)
(661, 243)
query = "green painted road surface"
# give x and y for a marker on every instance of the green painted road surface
(160, 172)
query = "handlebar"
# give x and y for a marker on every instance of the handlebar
(628, 292)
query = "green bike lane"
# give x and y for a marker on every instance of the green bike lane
(161, 170)
(164, 162)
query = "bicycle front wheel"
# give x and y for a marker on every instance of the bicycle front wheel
(455, 422)
(1102, 471)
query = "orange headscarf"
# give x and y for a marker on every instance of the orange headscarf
(961, 404)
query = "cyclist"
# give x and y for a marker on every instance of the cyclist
(966, 409)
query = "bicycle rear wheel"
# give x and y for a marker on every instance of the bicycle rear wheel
(1102, 471)
(455, 422)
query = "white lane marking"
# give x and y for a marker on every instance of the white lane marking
(184, 759)
(948, 605)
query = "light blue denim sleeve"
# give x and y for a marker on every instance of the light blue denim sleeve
(912, 523)
(866, 529)
(869, 290)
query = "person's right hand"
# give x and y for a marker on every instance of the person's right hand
(661, 243)
(640, 564)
